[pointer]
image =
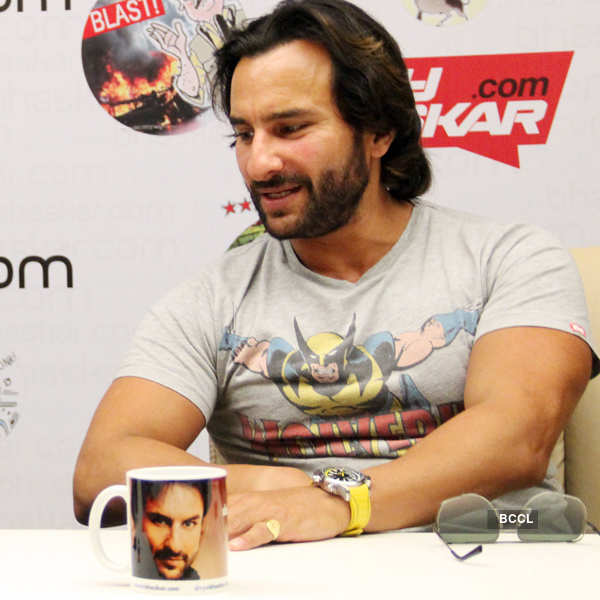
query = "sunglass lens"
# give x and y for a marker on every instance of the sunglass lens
(556, 518)
(469, 518)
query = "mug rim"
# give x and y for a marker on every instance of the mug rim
(176, 473)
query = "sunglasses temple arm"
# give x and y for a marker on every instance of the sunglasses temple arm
(593, 527)
(476, 550)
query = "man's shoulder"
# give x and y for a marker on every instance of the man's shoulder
(476, 226)
(250, 249)
(450, 215)
(455, 235)
(229, 270)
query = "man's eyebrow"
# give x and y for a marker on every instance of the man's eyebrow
(157, 515)
(276, 116)
(192, 518)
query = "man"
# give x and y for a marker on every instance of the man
(472, 398)
(172, 522)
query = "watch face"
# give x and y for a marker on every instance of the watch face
(347, 476)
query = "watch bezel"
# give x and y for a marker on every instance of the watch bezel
(329, 479)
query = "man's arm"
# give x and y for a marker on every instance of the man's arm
(140, 423)
(522, 385)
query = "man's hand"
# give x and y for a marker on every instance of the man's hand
(305, 514)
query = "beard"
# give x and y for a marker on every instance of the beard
(164, 555)
(331, 202)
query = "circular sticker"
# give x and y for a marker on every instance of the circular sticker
(148, 62)
(9, 394)
(442, 13)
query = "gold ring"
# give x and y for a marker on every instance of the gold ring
(274, 527)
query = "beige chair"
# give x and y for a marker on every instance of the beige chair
(582, 436)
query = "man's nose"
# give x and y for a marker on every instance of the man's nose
(264, 158)
(174, 540)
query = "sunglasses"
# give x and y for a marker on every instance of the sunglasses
(547, 517)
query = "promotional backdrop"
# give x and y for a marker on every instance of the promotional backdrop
(118, 182)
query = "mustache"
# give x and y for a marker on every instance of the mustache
(168, 554)
(279, 180)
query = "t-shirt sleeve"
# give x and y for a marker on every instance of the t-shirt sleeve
(531, 280)
(174, 346)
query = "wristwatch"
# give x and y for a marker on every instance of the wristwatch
(354, 487)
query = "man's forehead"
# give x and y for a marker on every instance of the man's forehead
(291, 78)
(176, 497)
(278, 115)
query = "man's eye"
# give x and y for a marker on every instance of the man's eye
(243, 136)
(190, 523)
(291, 129)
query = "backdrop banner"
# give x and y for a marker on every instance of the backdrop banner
(118, 182)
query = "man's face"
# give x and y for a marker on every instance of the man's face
(201, 10)
(325, 374)
(305, 167)
(173, 525)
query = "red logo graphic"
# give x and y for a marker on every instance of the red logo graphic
(577, 328)
(121, 14)
(488, 104)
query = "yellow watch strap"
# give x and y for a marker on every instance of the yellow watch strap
(360, 509)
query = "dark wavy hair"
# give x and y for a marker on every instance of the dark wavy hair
(370, 83)
(142, 491)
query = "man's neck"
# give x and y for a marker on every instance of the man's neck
(352, 250)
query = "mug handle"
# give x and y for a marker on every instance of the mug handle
(103, 498)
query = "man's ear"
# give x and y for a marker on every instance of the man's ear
(381, 143)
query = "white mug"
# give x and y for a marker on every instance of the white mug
(178, 528)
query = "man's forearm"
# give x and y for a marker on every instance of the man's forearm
(95, 471)
(473, 452)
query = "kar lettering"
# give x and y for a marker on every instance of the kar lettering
(491, 104)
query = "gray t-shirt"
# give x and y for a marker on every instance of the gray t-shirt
(295, 368)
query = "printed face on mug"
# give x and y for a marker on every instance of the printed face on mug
(177, 528)
(172, 523)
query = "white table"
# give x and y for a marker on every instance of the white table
(396, 565)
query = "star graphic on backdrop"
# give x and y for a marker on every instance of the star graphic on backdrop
(229, 209)
(246, 205)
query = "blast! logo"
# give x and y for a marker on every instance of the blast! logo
(121, 14)
(489, 105)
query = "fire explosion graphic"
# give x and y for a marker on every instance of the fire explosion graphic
(152, 106)
(119, 95)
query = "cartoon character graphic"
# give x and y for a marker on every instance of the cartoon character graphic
(446, 8)
(330, 375)
(194, 53)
